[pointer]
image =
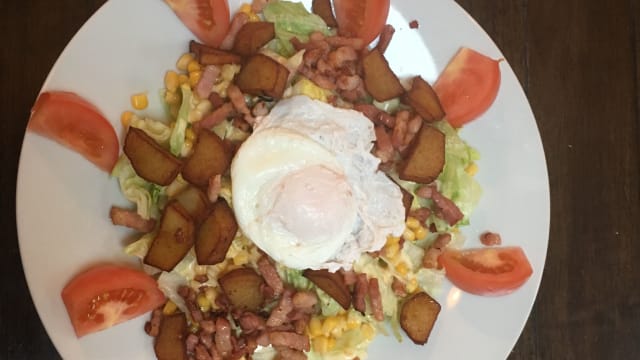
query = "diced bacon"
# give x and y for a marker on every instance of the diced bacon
(337, 41)
(237, 23)
(449, 211)
(490, 239)
(291, 354)
(223, 336)
(207, 80)
(398, 287)
(279, 314)
(360, 292)
(250, 322)
(304, 300)
(239, 103)
(375, 299)
(384, 147)
(368, 110)
(131, 219)
(385, 38)
(290, 340)
(152, 327)
(216, 117)
(202, 353)
(413, 24)
(270, 275)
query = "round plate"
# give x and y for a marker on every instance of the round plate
(63, 200)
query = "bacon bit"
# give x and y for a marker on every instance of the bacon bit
(414, 24)
(424, 191)
(349, 276)
(201, 278)
(490, 239)
(250, 322)
(431, 255)
(368, 110)
(131, 219)
(316, 36)
(223, 336)
(216, 117)
(259, 109)
(202, 353)
(398, 287)
(413, 127)
(360, 291)
(206, 338)
(208, 326)
(384, 147)
(239, 103)
(442, 241)
(207, 80)
(337, 41)
(304, 301)
(322, 81)
(263, 339)
(375, 299)
(348, 83)
(236, 24)
(213, 190)
(448, 210)
(290, 340)
(422, 214)
(290, 354)
(400, 129)
(191, 342)
(270, 275)
(152, 327)
(279, 313)
(385, 38)
(216, 100)
(386, 119)
(340, 56)
(241, 124)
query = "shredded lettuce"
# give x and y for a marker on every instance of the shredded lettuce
(140, 247)
(390, 106)
(291, 19)
(328, 305)
(176, 141)
(157, 130)
(137, 190)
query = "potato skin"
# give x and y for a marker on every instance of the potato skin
(150, 161)
(174, 238)
(418, 315)
(216, 234)
(170, 343)
(262, 76)
(379, 79)
(425, 157)
(242, 288)
(210, 157)
(252, 36)
(194, 201)
(331, 283)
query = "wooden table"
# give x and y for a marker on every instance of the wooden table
(579, 63)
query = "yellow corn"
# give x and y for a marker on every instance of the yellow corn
(391, 250)
(408, 235)
(210, 294)
(420, 233)
(368, 331)
(329, 324)
(241, 258)
(194, 77)
(171, 81)
(246, 8)
(187, 147)
(402, 268)
(183, 61)
(321, 344)
(332, 343)
(315, 327)
(412, 223)
(171, 97)
(352, 321)
(203, 302)
(193, 65)
(190, 134)
(139, 101)
(169, 308)
(183, 79)
(472, 169)
(125, 118)
(412, 285)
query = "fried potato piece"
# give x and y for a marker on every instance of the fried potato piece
(150, 161)
(170, 343)
(194, 201)
(417, 316)
(379, 79)
(425, 156)
(242, 288)
(215, 234)
(263, 76)
(209, 157)
(207, 55)
(331, 283)
(252, 36)
(424, 100)
(323, 9)
(174, 239)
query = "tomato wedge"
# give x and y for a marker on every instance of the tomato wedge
(75, 123)
(208, 20)
(490, 271)
(362, 19)
(106, 295)
(468, 86)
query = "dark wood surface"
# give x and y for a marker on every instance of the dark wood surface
(579, 63)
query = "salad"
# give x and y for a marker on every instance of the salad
(227, 287)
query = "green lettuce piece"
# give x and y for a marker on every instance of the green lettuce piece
(157, 130)
(295, 278)
(291, 19)
(140, 247)
(137, 190)
(176, 141)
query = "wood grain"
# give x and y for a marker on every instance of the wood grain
(579, 63)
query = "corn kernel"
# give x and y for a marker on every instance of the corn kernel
(412, 223)
(391, 250)
(402, 268)
(194, 77)
(252, 16)
(329, 324)
(211, 294)
(139, 101)
(193, 66)
(194, 327)
(393, 240)
(189, 134)
(125, 118)
(171, 81)
(408, 235)
(203, 302)
(183, 79)
(412, 286)
(332, 343)
(241, 258)
(420, 233)
(184, 61)
(169, 308)
(368, 331)
(315, 327)
(171, 97)
(472, 169)
(321, 344)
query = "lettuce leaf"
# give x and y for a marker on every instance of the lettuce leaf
(137, 190)
(176, 141)
(157, 130)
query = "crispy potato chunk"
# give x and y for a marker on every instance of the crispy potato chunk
(425, 156)
(209, 157)
(417, 316)
(150, 161)
(379, 79)
(424, 100)
(174, 239)
(263, 76)
(242, 288)
(207, 55)
(194, 201)
(331, 283)
(252, 36)
(170, 343)
(215, 234)
(323, 9)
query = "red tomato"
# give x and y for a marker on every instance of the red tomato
(208, 20)
(75, 123)
(487, 271)
(106, 295)
(468, 86)
(362, 19)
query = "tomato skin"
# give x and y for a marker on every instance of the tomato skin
(75, 123)
(139, 290)
(468, 86)
(363, 19)
(208, 20)
(491, 271)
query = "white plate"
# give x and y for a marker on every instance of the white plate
(63, 200)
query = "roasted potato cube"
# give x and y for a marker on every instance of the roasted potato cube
(424, 100)
(242, 287)
(209, 157)
(150, 161)
(331, 283)
(174, 239)
(417, 316)
(207, 55)
(323, 9)
(379, 79)
(170, 343)
(215, 234)
(252, 36)
(194, 201)
(425, 156)
(262, 76)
